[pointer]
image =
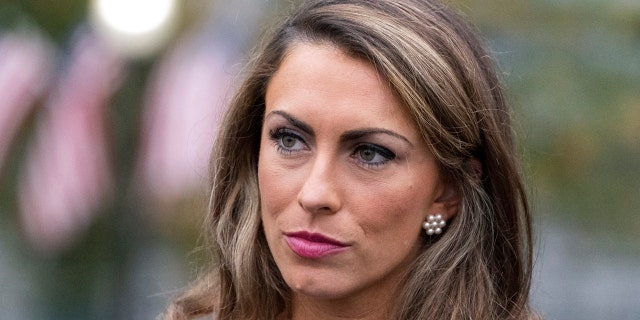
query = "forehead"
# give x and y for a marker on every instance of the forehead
(321, 77)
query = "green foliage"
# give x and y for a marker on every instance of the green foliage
(573, 72)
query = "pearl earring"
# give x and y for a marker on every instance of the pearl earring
(434, 224)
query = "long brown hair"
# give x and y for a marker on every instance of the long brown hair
(480, 268)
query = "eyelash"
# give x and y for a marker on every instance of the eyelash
(279, 133)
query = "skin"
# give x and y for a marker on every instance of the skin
(340, 157)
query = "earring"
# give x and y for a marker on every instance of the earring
(434, 224)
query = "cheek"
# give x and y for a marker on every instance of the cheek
(266, 185)
(398, 207)
(391, 210)
(270, 198)
(391, 228)
(276, 186)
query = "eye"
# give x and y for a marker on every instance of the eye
(367, 154)
(372, 155)
(287, 141)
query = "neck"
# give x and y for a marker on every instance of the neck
(354, 308)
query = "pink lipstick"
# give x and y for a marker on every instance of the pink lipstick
(313, 245)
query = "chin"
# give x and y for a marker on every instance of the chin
(318, 288)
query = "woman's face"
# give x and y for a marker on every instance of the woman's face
(345, 179)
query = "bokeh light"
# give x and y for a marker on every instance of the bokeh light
(136, 28)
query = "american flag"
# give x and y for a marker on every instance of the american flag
(67, 174)
(180, 115)
(26, 62)
(190, 89)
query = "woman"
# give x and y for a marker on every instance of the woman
(365, 170)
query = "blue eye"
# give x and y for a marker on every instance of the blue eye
(373, 155)
(286, 141)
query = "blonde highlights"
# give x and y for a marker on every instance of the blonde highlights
(480, 268)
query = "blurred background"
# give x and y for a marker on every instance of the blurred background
(108, 109)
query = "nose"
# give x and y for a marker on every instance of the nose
(320, 192)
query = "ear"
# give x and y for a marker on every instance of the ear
(448, 201)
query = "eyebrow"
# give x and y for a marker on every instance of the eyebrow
(359, 133)
(347, 136)
(294, 121)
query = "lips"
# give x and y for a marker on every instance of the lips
(313, 245)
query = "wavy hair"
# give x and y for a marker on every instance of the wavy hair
(480, 268)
